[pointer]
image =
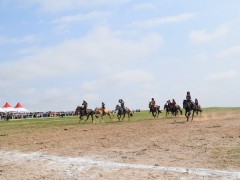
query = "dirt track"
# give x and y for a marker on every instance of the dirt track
(151, 149)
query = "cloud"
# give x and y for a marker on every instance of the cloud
(165, 20)
(99, 47)
(144, 6)
(131, 77)
(228, 75)
(230, 53)
(54, 6)
(203, 36)
(25, 39)
(81, 17)
(63, 23)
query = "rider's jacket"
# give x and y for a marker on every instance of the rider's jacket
(103, 105)
(122, 104)
(84, 104)
(174, 103)
(153, 103)
(188, 97)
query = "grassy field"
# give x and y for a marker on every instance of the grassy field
(74, 120)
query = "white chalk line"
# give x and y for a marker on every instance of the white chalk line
(79, 163)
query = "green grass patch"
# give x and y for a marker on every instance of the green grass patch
(74, 120)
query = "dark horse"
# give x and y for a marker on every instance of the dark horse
(154, 110)
(81, 112)
(173, 109)
(166, 106)
(198, 109)
(188, 106)
(122, 113)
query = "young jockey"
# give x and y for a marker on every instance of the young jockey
(103, 107)
(188, 98)
(153, 103)
(85, 106)
(121, 105)
(174, 103)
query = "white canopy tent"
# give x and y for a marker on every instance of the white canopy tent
(7, 108)
(20, 109)
(2, 110)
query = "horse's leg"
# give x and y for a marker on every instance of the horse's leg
(158, 113)
(92, 117)
(187, 114)
(153, 114)
(193, 114)
(128, 115)
(123, 116)
(118, 116)
(87, 117)
(180, 111)
(80, 118)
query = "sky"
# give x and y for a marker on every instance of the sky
(56, 53)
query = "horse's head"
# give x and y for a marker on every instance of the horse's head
(184, 104)
(97, 109)
(78, 109)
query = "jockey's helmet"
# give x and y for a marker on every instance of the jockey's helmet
(152, 99)
(188, 92)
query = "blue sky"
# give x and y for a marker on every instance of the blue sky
(57, 53)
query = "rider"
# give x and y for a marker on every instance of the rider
(121, 105)
(188, 98)
(168, 103)
(153, 103)
(85, 106)
(174, 103)
(196, 103)
(103, 107)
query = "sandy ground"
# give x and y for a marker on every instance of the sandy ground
(206, 148)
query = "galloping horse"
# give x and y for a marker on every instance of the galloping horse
(166, 106)
(103, 112)
(122, 113)
(175, 109)
(81, 112)
(154, 110)
(188, 108)
(198, 109)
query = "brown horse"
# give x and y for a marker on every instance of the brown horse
(154, 110)
(122, 113)
(103, 112)
(81, 112)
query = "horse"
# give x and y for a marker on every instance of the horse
(81, 112)
(166, 106)
(154, 110)
(175, 109)
(188, 108)
(198, 109)
(103, 112)
(122, 113)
